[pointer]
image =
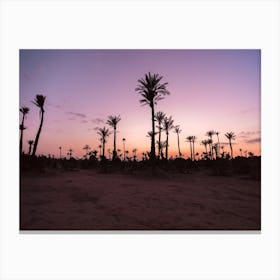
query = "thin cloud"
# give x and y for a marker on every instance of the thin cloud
(76, 114)
(97, 121)
(255, 140)
(84, 121)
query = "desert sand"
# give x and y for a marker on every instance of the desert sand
(88, 200)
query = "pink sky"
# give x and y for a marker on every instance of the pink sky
(209, 90)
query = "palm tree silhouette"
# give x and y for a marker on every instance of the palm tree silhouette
(39, 101)
(159, 117)
(218, 147)
(193, 140)
(30, 143)
(113, 121)
(152, 91)
(60, 151)
(134, 153)
(87, 148)
(167, 126)
(123, 148)
(205, 143)
(241, 152)
(177, 130)
(104, 133)
(24, 111)
(70, 151)
(210, 134)
(230, 136)
(190, 138)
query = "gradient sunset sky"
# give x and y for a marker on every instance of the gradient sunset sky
(209, 90)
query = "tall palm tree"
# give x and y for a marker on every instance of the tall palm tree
(230, 136)
(134, 151)
(104, 133)
(152, 91)
(113, 121)
(39, 101)
(30, 143)
(24, 111)
(189, 138)
(177, 130)
(159, 117)
(87, 148)
(167, 126)
(210, 134)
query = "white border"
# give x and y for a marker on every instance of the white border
(129, 24)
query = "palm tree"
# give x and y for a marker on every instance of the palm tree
(123, 148)
(167, 126)
(60, 151)
(134, 153)
(70, 153)
(193, 140)
(205, 143)
(24, 111)
(189, 138)
(100, 146)
(217, 133)
(30, 143)
(210, 142)
(87, 148)
(210, 134)
(113, 121)
(152, 91)
(230, 136)
(104, 133)
(39, 101)
(177, 130)
(159, 117)
(241, 152)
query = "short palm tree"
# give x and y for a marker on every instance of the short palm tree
(123, 148)
(24, 111)
(30, 143)
(39, 101)
(87, 148)
(217, 133)
(113, 121)
(134, 151)
(60, 151)
(205, 143)
(167, 126)
(159, 117)
(230, 136)
(189, 139)
(104, 133)
(193, 140)
(152, 91)
(210, 134)
(177, 130)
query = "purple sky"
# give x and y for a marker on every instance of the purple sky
(210, 89)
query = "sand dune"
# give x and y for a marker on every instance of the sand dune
(87, 200)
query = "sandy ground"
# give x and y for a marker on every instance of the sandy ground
(86, 200)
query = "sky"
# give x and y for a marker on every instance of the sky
(209, 90)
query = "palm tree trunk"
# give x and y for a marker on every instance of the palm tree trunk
(178, 140)
(38, 133)
(231, 149)
(103, 147)
(166, 147)
(218, 145)
(21, 135)
(191, 150)
(153, 152)
(115, 152)
(29, 152)
(159, 143)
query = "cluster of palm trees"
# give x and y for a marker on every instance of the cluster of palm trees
(39, 101)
